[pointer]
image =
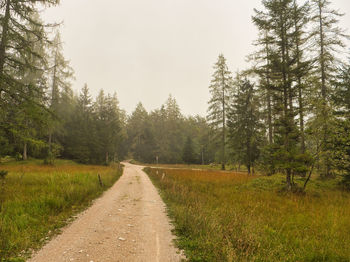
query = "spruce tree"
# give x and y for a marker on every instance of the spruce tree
(188, 152)
(328, 39)
(277, 19)
(245, 128)
(220, 88)
(300, 18)
(80, 137)
(60, 75)
(17, 19)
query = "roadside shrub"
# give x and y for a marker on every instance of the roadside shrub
(3, 174)
(345, 183)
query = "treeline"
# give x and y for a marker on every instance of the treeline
(290, 111)
(40, 116)
(164, 135)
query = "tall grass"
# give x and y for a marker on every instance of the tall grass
(36, 200)
(233, 217)
(213, 166)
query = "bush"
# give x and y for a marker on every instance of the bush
(3, 173)
(346, 182)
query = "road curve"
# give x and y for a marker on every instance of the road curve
(128, 223)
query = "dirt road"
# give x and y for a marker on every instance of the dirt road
(128, 223)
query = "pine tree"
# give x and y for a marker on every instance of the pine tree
(327, 39)
(188, 152)
(16, 21)
(245, 129)
(80, 137)
(136, 133)
(340, 139)
(108, 126)
(278, 20)
(31, 114)
(220, 89)
(300, 18)
(60, 75)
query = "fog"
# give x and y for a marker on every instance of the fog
(146, 50)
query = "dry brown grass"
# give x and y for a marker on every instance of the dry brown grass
(234, 217)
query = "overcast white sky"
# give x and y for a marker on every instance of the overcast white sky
(146, 50)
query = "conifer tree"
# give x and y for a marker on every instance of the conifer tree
(81, 136)
(278, 20)
(220, 88)
(31, 115)
(60, 92)
(188, 152)
(300, 18)
(328, 39)
(245, 129)
(17, 19)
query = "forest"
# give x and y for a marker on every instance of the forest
(287, 113)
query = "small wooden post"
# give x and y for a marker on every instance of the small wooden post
(100, 180)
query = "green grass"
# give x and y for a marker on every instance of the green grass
(37, 200)
(214, 166)
(220, 216)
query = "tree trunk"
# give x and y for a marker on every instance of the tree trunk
(286, 98)
(202, 157)
(107, 158)
(289, 180)
(301, 116)
(223, 123)
(3, 43)
(300, 95)
(25, 151)
(50, 142)
(326, 171)
(269, 110)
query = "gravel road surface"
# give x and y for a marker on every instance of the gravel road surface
(128, 223)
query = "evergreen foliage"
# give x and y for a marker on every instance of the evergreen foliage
(188, 152)
(220, 88)
(245, 127)
(288, 113)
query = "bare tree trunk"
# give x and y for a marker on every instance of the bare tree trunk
(107, 158)
(223, 125)
(326, 171)
(50, 142)
(301, 117)
(25, 157)
(202, 156)
(3, 43)
(286, 98)
(289, 180)
(300, 95)
(268, 93)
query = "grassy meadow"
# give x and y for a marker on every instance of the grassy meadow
(221, 216)
(36, 200)
(213, 166)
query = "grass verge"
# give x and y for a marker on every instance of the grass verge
(233, 217)
(37, 200)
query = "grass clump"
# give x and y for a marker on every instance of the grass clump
(234, 217)
(36, 200)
